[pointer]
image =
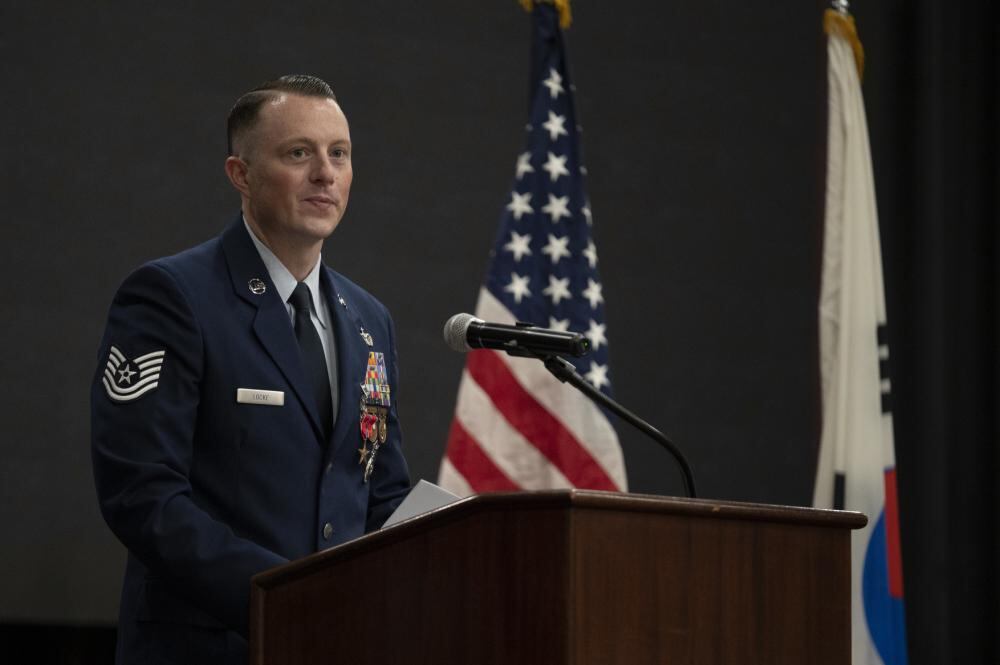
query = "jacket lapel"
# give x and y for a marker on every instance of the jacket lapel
(352, 359)
(272, 325)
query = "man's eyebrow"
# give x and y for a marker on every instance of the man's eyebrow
(305, 139)
(297, 139)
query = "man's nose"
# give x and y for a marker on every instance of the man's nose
(323, 169)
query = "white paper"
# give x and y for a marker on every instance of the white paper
(422, 498)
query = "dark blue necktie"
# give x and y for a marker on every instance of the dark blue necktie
(311, 350)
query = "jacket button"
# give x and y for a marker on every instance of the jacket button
(327, 531)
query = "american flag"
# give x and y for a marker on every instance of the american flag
(516, 426)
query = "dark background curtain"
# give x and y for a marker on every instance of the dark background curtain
(931, 89)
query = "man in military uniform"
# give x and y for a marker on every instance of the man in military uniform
(244, 406)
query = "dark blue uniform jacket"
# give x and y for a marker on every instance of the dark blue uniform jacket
(206, 491)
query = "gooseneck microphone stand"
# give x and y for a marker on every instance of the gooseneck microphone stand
(566, 373)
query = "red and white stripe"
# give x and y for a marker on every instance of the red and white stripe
(517, 427)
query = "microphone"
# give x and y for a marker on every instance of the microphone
(464, 332)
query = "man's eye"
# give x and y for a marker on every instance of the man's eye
(338, 153)
(298, 153)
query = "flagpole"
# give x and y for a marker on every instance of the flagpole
(566, 373)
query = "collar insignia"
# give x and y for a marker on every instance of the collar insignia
(257, 286)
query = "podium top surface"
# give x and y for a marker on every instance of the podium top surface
(569, 500)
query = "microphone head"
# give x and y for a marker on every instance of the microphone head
(455, 330)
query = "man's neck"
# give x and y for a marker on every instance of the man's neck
(298, 257)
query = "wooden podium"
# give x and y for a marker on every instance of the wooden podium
(562, 577)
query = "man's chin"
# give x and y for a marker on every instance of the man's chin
(319, 228)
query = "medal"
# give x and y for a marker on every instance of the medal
(370, 466)
(369, 422)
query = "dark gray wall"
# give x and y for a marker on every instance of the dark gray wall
(704, 141)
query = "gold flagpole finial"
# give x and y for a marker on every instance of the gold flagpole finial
(565, 17)
(842, 23)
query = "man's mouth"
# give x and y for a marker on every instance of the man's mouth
(320, 201)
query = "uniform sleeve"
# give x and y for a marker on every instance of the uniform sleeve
(391, 479)
(144, 407)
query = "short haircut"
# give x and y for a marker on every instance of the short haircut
(243, 115)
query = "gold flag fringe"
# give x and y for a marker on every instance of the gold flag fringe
(835, 22)
(565, 17)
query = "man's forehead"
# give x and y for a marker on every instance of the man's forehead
(292, 114)
(284, 98)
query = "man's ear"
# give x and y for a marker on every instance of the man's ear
(236, 170)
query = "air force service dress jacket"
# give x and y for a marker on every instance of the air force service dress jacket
(206, 490)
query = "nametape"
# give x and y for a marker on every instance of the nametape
(264, 397)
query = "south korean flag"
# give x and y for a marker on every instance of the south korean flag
(126, 380)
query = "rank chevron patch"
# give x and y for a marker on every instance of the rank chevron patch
(126, 380)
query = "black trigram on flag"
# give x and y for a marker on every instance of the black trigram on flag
(883, 368)
(885, 389)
